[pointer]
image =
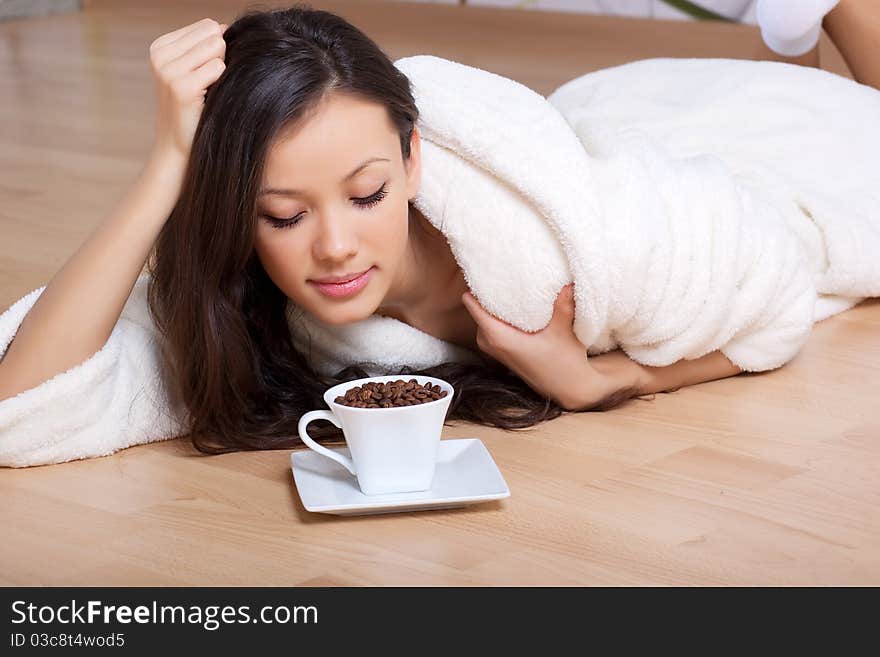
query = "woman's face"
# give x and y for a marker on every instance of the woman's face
(342, 223)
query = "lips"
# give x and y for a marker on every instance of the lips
(339, 279)
(345, 289)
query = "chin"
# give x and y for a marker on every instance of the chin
(343, 316)
(336, 320)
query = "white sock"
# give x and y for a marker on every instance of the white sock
(792, 27)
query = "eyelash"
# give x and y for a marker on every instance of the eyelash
(366, 202)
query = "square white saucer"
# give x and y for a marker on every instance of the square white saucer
(465, 474)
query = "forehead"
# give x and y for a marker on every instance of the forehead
(339, 129)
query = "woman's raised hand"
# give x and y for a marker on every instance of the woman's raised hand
(184, 63)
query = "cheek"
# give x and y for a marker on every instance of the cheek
(279, 257)
(391, 245)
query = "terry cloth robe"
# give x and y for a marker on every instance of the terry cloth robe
(696, 204)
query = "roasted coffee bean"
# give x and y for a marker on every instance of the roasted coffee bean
(373, 394)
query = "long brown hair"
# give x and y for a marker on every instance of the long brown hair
(226, 349)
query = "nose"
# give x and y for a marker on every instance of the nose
(336, 241)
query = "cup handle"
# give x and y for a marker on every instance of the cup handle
(311, 416)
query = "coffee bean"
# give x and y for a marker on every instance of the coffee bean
(374, 394)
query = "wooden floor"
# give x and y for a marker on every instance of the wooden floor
(759, 479)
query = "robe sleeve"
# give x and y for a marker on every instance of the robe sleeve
(114, 399)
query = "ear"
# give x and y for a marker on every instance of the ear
(414, 165)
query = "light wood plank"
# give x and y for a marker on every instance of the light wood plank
(758, 479)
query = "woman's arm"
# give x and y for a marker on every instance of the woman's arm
(75, 314)
(623, 373)
(554, 362)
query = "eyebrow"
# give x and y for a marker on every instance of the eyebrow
(295, 192)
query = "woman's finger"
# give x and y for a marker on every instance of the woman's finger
(211, 47)
(474, 309)
(175, 49)
(470, 302)
(170, 37)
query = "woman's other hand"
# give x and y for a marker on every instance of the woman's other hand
(552, 361)
(184, 64)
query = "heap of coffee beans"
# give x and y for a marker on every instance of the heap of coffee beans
(373, 394)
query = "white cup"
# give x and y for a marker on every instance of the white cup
(393, 450)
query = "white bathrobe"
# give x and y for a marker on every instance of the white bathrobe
(697, 205)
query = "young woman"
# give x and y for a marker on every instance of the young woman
(295, 171)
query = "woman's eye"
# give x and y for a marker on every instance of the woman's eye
(373, 198)
(365, 202)
(282, 223)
